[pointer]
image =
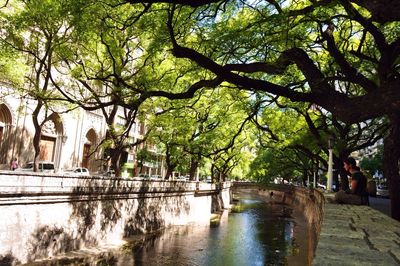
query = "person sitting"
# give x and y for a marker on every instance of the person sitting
(357, 195)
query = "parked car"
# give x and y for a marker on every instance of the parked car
(45, 167)
(156, 177)
(80, 171)
(182, 178)
(109, 173)
(382, 191)
(141, 177)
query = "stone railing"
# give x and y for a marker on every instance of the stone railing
(44, 215)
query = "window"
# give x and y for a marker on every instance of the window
(120, 121)
(131, 158)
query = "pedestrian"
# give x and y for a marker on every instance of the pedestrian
(14, 164)
(357, 195)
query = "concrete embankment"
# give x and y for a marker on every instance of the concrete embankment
(46, 215)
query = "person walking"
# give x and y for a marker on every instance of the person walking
(357, 195)
(14, 164)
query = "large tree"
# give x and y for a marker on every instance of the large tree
(210, 126)
(36, 35)
(340, 55)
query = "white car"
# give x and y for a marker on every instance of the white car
(79, 171)
(382, 191)
(156, 177)
(141, 177)
(45, 167)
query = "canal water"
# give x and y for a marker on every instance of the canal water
(254, 233)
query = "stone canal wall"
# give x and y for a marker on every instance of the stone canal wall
(311, 202)
(41, 216)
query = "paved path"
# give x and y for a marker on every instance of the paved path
(380, 204)
(358, 235)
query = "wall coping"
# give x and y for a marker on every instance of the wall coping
(357, 235)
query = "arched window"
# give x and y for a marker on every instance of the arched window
(90, 143)
(5, 133)
(50, 131)
(5, 120)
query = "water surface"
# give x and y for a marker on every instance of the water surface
(255, 232)
(259, 234)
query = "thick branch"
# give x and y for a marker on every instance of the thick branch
(350, 72)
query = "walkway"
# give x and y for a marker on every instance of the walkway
(380, 204)
(358, 235)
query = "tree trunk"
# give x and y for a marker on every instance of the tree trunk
(213, 173)
(141, 167)
(305, 177)
(223, 176)
(116, 162)
(170, 169)
(344, 179)
(193, 167)
(36, 147)
(170, 165)
(37, 136)
(335, 178)
(391, 155)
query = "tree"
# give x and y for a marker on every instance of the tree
(338, 55)
(373, 164)
(276, 165)
(284, 134)
(342, 56)
(103, 61)
(208, 127)
(347, 137)
(143, 156)
(36, 34)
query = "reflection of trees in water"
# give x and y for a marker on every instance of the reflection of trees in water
(274, 230)
(263, 234)
(171, 246)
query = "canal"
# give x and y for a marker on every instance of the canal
(254, 232)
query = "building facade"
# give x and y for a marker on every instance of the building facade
(68, 139)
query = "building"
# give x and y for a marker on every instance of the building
(68, 139)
